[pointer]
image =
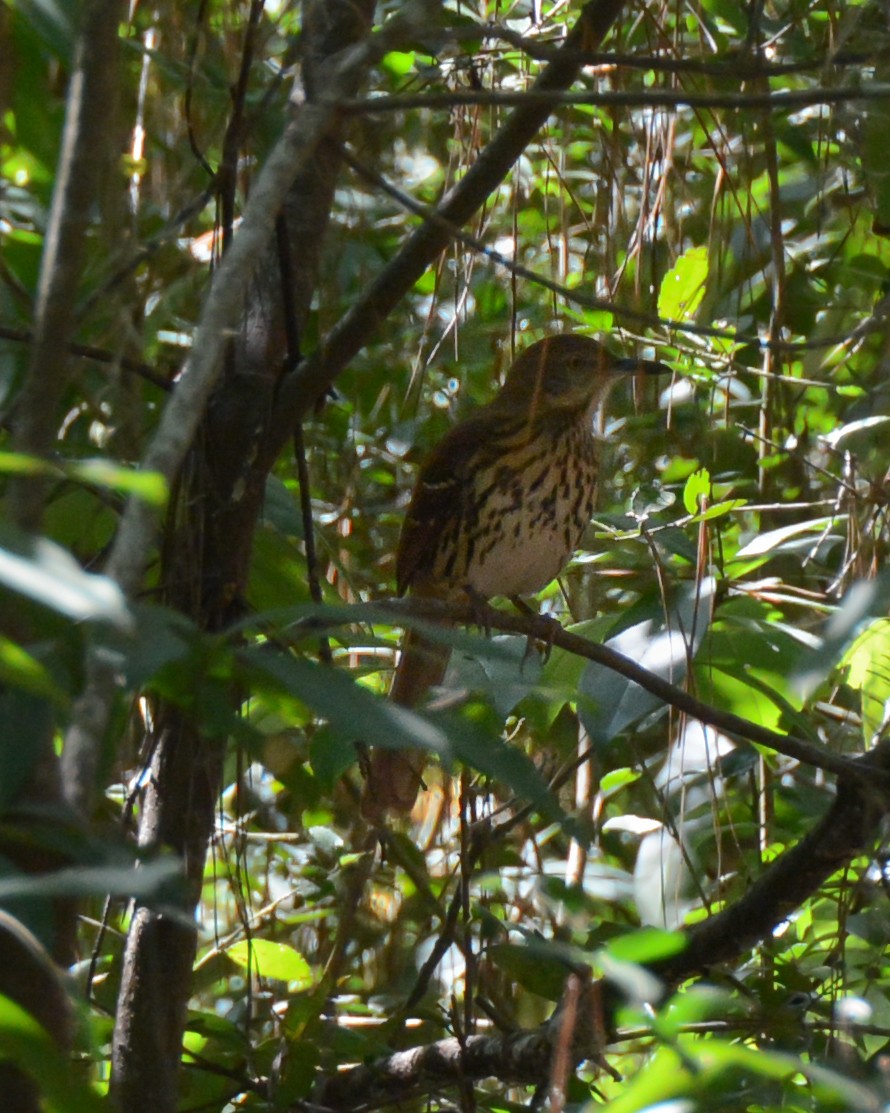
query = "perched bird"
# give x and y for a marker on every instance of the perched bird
(499, 508)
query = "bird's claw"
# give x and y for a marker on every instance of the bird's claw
(479, 607)
(533, 640)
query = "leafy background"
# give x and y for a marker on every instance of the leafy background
(737, 552)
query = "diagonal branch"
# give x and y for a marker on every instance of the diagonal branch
(547, 630)
(423, 246)
(187, 405)
(848, 828)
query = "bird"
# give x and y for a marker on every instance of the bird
(498, 509)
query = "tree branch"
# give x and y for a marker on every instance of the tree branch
(548, 630)
(302, 389)
(186, 407)
(84, 158)
(100, 355)
(782, 101)
(735, 67)
(849, 827)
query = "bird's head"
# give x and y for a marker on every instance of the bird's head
(568, 373)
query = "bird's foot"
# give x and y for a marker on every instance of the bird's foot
(552, 627)
(479, 607)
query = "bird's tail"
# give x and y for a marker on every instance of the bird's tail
(395, 776)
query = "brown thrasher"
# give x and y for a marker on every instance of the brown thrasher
(498, 509)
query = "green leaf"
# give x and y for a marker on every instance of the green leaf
(26, 731)
(503, 667)
(683, 287)
(272, 960)
(731, 13)
(48, 574)
(281, 508)
(867, 662)
(19, 463)
(26, 1043)
(156, 882)
(647, 945)
(785, 538)
(698, 486)
(611, 703)
(348, 707)
(486, 751)
(398, 63)
(875, 138)
(537, 965)
(720, 510)
(20, 669)
(865, 601)
(617, 779)
(150, 486)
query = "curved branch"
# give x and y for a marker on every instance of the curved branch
(848, 828)
(549, 631)
(301, 391)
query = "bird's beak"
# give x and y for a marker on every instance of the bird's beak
(643, 366)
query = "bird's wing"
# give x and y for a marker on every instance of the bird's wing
(440, 497)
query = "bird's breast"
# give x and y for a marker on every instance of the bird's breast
(522, 516)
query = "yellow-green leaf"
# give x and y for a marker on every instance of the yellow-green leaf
(698, 486)
(271, 960)
(683, 287)
(868, 670)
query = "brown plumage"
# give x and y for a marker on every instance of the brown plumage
(498, 509)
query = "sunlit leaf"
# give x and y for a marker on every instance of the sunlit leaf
(646, 945)
(27, 1044)
(22, 670)
(271, 960)
(867, 663)
(46, 573)
(683, 287)
(697, 487)
(149, 486)
(777, 540)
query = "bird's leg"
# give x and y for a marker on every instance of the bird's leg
(552, 626)
(520, 604)
(479, 607)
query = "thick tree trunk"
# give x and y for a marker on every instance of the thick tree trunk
(185, 777)
(205, 570)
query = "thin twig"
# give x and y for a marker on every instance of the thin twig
(782, 101)
(578, 297)
(100, 355)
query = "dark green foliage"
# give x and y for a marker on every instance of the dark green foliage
(737, 553)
